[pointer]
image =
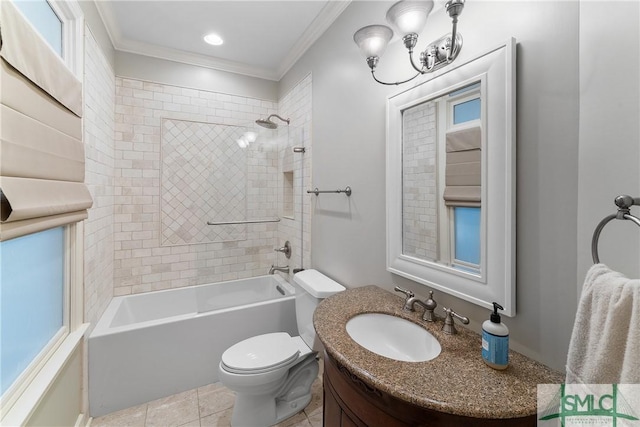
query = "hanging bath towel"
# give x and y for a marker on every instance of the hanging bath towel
(605, 343)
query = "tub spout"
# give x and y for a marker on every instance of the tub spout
(274, 268)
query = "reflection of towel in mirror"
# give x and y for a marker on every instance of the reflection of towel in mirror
(605, 343)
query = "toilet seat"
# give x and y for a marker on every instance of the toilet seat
(260, 354)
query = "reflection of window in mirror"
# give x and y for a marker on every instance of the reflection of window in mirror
(461, 186)
(441, 180)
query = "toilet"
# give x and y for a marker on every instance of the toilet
(272, 373)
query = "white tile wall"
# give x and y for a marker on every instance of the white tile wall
(99, 93)
(141, 262)
(296, 105)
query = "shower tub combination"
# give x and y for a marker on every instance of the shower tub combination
(153, 345)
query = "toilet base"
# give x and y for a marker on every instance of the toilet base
(292, 397)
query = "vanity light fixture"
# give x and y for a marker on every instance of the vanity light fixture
(213, 39)
(408, 18)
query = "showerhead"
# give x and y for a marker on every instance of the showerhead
(267, 123)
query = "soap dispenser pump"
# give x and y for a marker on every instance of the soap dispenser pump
(495, 340)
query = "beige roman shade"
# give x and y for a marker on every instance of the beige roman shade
(463, 172)
(41, 149)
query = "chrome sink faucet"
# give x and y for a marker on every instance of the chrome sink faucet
(411, 300)
(274, 268)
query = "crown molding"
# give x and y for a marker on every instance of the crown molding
(320, 24)
(175, 55)
(109, 20)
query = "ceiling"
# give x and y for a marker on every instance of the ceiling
(261, 38)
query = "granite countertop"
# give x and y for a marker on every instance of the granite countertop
(456, 382)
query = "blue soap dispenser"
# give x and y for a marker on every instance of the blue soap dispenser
(495, 340)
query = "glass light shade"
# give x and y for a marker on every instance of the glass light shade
(409, 17)
(373, 39)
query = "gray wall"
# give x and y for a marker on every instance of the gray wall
(192, 76)
(348, 235)
(609, 131)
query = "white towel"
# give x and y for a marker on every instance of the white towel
(605, 343)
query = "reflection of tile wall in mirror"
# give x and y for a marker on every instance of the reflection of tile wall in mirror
(419, 208)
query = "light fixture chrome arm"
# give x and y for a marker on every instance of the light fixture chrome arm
(395, 83)
(413, 64)
(454, 9)
(410, 41)
(450, 54)
(373, 61)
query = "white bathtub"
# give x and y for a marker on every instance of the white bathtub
(153, 345)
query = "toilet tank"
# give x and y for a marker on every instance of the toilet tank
(311, 288)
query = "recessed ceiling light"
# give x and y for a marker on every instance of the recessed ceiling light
(213, 39)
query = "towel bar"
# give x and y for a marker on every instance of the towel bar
(623, 203)
(346, 191)
(251, 221)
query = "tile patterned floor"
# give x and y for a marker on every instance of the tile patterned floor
(208, 406)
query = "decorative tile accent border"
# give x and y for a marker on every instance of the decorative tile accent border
(203, 178)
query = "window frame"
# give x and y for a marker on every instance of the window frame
(22, 397)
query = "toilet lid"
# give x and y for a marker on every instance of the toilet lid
(261, 353)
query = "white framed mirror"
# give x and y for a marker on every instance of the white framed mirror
(451, 180)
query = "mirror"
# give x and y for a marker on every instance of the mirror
(451, 180)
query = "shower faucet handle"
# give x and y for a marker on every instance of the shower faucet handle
(286, 249)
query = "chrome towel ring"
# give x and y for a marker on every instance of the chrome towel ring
(623, 203)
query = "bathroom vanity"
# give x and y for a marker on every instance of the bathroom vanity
(362, 388)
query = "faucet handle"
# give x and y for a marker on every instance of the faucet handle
(429, 306)
(449, 326)
(286, 249)
(408, 295)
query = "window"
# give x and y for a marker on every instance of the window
(60, 24)
(44, 19)
(32, 304)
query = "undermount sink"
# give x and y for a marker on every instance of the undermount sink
(393, 337)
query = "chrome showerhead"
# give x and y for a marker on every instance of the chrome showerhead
(267, 123)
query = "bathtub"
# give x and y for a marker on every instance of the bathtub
(153, 345)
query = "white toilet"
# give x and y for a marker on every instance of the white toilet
(272, 373)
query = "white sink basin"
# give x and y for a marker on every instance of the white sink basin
(393, 337)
